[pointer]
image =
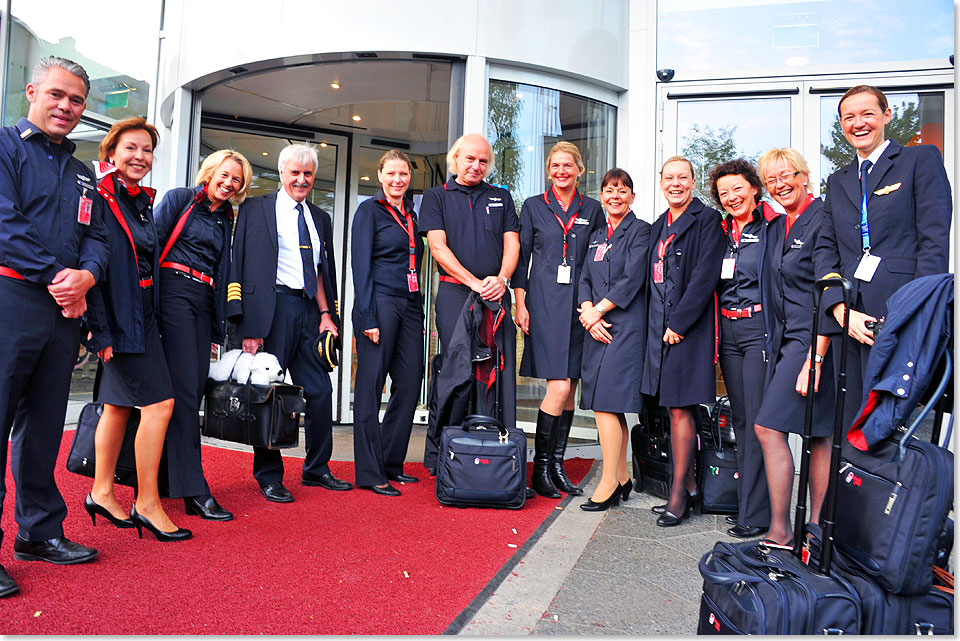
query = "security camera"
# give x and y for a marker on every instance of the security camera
(665, 75)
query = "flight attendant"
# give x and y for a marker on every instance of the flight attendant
(887, 221)
(125, 334)
(613, 312)
(387, 252)
(736, 186)
(786, 290)
(554, 231)
(686, 247)
(195, 225)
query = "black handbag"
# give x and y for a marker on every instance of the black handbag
(82, 457)
(717, 476)
(260, 415)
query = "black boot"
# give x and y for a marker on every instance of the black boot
(542, 454)
(557, 474)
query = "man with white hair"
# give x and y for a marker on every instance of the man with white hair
(474, 235)
(282, 295)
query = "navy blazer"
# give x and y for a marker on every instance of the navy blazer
(114, 305)
(175, 202)
(909, 211)
(252, 292)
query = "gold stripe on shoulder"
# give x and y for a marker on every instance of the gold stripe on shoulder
(25, 133)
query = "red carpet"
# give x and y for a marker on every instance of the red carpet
(329, 563)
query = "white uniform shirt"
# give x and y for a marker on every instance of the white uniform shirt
(289, 260)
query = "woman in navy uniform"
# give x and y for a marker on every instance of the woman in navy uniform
(686, 247)
(387, 252)
(195, 227)
(554, 230)
(736, 186)
(786, 289)
(613, 312)
(125, 334)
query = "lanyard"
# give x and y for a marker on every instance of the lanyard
(864, 223)
(609, 229)
(409, 229)
(567, 227)
(662, 246)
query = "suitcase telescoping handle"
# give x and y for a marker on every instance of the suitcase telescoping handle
(829, 509)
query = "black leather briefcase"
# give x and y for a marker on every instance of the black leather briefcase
(259, 415)
(82, 457)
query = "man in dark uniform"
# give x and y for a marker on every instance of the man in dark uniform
(53, 248)
(282, 295)
(473, 232)
(886, 221)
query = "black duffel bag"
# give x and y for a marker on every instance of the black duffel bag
(82, 457)
(260, 415)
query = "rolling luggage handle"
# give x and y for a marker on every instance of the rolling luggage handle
(830, 500)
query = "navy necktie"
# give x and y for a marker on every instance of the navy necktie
(306, 254)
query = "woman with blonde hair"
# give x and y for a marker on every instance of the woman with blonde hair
(124, 332)
(195, 229)
(555, 228)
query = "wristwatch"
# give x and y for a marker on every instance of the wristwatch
(816, 358)
(506, 281)
(600, 309)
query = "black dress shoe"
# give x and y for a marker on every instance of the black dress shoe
(141, 522)
(328, 481)
(733, 519)
(529, 493)
(592, 506)
(7, 585)
(402, 478)
(93, 509)
(277, 493)
(746, 531)
(59, 550)
(206, 508)
(389, 490)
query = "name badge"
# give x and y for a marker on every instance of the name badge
(728, 267)
(564, 274)
(749, 238)
(658, 272)
(601, 252)
(797, 244)
(84, 209)
(867, 268)
(581, 221)
(412, 284)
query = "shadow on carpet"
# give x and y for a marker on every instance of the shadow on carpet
(329, 563)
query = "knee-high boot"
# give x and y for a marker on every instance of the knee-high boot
(542, 455)
(558, 475)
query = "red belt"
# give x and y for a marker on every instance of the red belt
(146, 282)
(9, 273)
(450, 279)
(741, 313)
(197, 275)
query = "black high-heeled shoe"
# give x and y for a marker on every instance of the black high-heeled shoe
(93, 509)
(140, 522)
(592, 506)
(625, 490)
(693, 499)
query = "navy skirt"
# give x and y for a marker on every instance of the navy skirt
(782, 408)
(130, 380)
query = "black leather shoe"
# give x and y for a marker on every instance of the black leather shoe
(402, 478)
(530, 494)
(328, 481)
(659, 509)
(733, 519)
(93, 509)
(141, 522)
(669, 519)
(592, 506)
(59, 550)
(746, 531)
(7, 585)
(206, 508)
(277, 493)
(389, 490)
(625, 490)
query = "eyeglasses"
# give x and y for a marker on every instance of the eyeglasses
(782, 178)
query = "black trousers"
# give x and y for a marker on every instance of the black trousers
(379, 448)
(186, 311)
(38, 348)
(295, 327)
(741, 360)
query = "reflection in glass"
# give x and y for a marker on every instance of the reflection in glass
(116, 48)
(917, 119)
(524, 122)
(700, 38)
(738, 128)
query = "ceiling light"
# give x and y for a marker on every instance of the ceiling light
(265, 154)
(364, 177)
(357, 118)
(334, 85)
(324, 145)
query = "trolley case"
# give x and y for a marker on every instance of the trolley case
(754, 588)
(896, 498)
(650, 441)
(717, 476)
(259, 415)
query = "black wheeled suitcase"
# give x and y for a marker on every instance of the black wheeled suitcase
(650, 441)
(717, 476)
(482, 463)
(756, 588)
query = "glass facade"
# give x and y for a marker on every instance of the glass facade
(731, 38)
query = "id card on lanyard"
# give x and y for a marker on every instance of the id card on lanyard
(604, 247)
(85, 208)
(868, 262)
(565, 271)
(413, 284)
(658, 267)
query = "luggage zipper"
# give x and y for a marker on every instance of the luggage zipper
(892, 498)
